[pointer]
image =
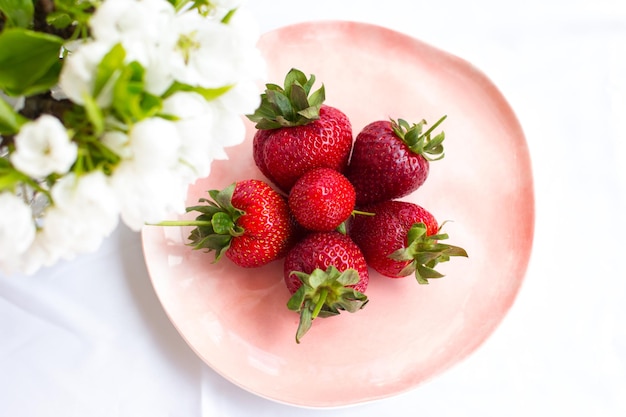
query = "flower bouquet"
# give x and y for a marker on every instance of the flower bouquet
(109, 109)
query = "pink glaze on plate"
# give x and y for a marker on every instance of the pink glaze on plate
(236, 319)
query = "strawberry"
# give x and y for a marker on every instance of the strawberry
(322, 199)
(391, 159)
(248, 221)
(402, 238)
(297, 132)
(325, 272)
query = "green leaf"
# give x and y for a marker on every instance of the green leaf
(217, 243)
(209, 94)
(355, 304)
(456, 251)
(59, 20)
(295, 76)
(426, 272)
(8, 181)
(178, 3)
(224, 197)
(19, 13)
(94, 114)
(273, 87)
(295, 301)
(207, 209)
(282, 103)
(43, 84)
(348, 277)
(130, 100)
(306, 320)
(402, 254)
(310, 113)
(112, 62)
(317, 278)
(299, 97)
(10, 120)
(308, 84)
(227, 18)
(8, 176)
(288, 106)
(27, 57)
(150, 105)
(416, 232)
(317, 98)
(327, 311)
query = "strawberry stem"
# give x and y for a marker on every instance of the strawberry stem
(362, 213)
(216, 225)
(320, 303)
(290, 105)
(420, 143)
(433, 127)
(182, 223)
(424, 252)
(325, 294)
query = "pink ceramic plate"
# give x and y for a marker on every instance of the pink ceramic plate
(236, 319)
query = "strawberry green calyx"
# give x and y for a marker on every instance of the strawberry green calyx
(291, 105)
(424, 252)
(325, 294)
(221, 218)
(217, 223)
(420, 143)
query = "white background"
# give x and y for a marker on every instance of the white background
(89, 337)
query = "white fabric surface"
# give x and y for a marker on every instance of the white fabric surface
(89, 337)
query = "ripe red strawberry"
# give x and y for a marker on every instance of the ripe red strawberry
(322, 199)
(297, 133)
(391, 159)
(325, 273)
(248, 221)
(402, 238)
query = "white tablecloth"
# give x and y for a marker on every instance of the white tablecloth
(89, 338)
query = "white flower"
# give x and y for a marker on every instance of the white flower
(143, 27)
(242, 99)
(36, 257)
(207, 53)
(17, 229)
(149, 183)
(245, 24)
(158, 74)
(84, 212)
(159, 156)
(43, 147)
(215, 9)
(228, 130)
(194, 125)
(226, 4)
(147, 196)
(118, 142)
(77, 76)
(120, 20)
(228, 127)
(154, 143)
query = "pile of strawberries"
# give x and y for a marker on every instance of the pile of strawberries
(332, 208)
